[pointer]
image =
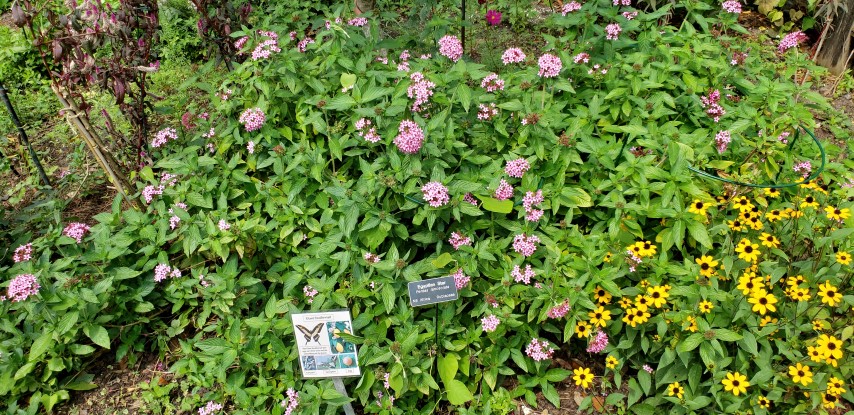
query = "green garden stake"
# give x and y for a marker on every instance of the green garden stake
(23, 134)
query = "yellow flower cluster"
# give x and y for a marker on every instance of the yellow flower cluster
(643, 249)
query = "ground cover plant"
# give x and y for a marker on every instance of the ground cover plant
(591, 200)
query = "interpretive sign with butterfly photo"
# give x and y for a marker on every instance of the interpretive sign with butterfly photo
(323, 351)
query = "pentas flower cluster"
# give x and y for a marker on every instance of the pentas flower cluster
(357, 21)
(520, 275)
(712, 105)
(291, 401)
(23, 253)
(150, 191)
(791, 41)
(492, 83)
(722, 140)
(630, 15)
(252, 119)
(409, 138)
(163, 136)
(599, 343)
(250, 147)
(504, 190)
(490, 323)
(164, 271)
(804, 168)
(525, 245)
(421, 89)
(784, 137)
(738, 58)
(240, 43)
(612, 31)
(403, 66)
(539, 350)
(76, 231)
(223, 225)
(22, 287)
(457, 240)
(633, 260)
(560, 310)
(366, 131)
(581, 57)
(309, 293)
(371, 258)
(303, 44)
(486, 111)
(225, 95)
(435, 194)
(468, 197)
(731, 6)
(623, 2)
(530, 200)
(550, 66)
(451, 47)
(517, 167)
(210, 408)
(570, 7)
(268, 46)
(168, 179)
(513, 55)
(175, 220)
(460, 278)
(595, 68)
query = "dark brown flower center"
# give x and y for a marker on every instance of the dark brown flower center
(748, 249)
(704, 266)
(656, 294)
(801, 373)
(763, 301)
(837, 211)
(601, 293)
(831, 293)
(810, 199)
(735, 383)
(699, 205)
(831, 346)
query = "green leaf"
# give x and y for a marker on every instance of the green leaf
(748, 343)
(497, 206)
(727, 335)
(196, 199)
(557, 375)
(40, 346)
(442, 260)
(98, 335)
(348, 80)
(124, 273)
(447, 366)
(388, 296)
(699, 233)
(690, 343)
(213, 346)
(458, 393)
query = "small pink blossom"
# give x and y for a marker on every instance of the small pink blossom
(504, 190)
(722, 140)
(291, 401)
(539, 350)
(457, 240)
(149, 192)
(252, 119)
(23, 253)
(161, 272)
(613, 31)
(581, 57)
(525, 245)
(223, 225)
(550, 66)
(630, 15)
(493, 17)
(599, 343)
(174, 221)
(163, 136)
(435, 193)
(524, 276)
(486, 111)
(371, 258)
(460, 279)
(303, 44)
(791, 41)
(517, 167)
(210, 408)
(731, 6)
(250, 147)
(358, 21)
(421, 89)
(309, 293)
(560, 310)
(570, 7)
(489, 323)
(21, 287)
(468, 197)
(533, 215)
(513, 55)
(451, 47)
(492, 83)
(647, 368)
(410, 137)
(76, 231)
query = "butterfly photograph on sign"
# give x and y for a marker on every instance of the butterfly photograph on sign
(321, 338)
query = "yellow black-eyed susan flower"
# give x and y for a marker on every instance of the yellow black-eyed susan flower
(818, 325)
(843, 258)
(707, 265)
(658, 296)
(629, 317)
(642, 302)
(699, 207)
(641, 316)
(800, 374)
(769, 240)
(749, 282)
(675, 389)
(835, 386)
(706, 306)
(735, 225)
(742, 203)
(611, 362)
(582, 329)
(582, 377)
(735, 383)
(748, 251)
(772, 192)
(602, 297)
(829, 294)
(763, 301)
(774, 215)
(599, 317)
(763, 402)
(837, 214)
(809, 201)
(626, 303)
(607, 257)
(692, 324)
(815, 354)
(829, 401)
(794, 213)
(829, 346)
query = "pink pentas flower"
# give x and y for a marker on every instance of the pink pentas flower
(559, 310)
(570, 7)
(371, 258)
(532, 198)
(252, 119)
(269, 44)
(223, 225)
(517, 167)
(504, 190)
(712, 105)
(291, 401)
(21, 287)
(460, 279)
(791, 41)
(647, 368)
(149, 192)
(581, 57)
(492, 83)
(486, 112)
(533, 215)
(722, 140)
(457, 240)
(435, 194)
(409, 137)
(468, 197)
(421, 89)
(493, 17)
(250, 147)
(623, 2)
(173, 222)
(525, 245)
(451, 47)
(210, 408)
(490, 323)
(23, 253)
(613, 31)
(161, 272)
(302, 46)
(357, 21)
(163, 136)
(76, 231)
(804, 168)
(524, 276)
(309, 293)
(599, 343)
(539, 350)
(513, 55)
(550, 66)
(240, 43)
(633, 260)
(630, 15)
(731, 6)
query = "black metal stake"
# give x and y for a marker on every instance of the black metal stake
(23, 134)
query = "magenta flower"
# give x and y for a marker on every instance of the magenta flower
(468, 197)
(451, 47)
(435, 193)
(210, 408)
(309, 292)
(410, 137)
(539, 350)
(164, 136)
(485, 112)
(493, 17)
(581, 57)
(525, 245)
(22, 287)
(490, 323)
(421, 89)
(712, 105)
(550, 66)
(267, 47)
(492, 83)
(291, 402)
